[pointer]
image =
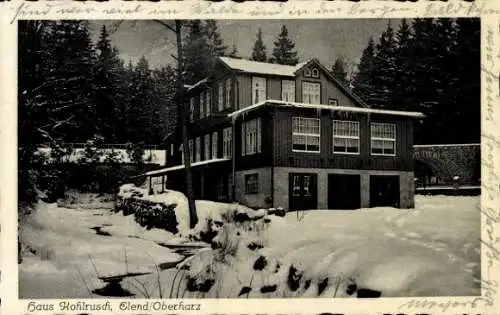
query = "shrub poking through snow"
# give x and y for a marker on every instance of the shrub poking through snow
(148, 213)
(294, 276)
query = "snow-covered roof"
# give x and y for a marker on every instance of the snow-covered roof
(179, 167)
(261, 67)
(352, 109)
(198, 84)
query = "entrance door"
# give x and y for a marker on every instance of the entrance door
(384, 191)
(303, 191)
(344, 191)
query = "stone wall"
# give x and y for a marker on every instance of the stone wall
(448, 161)
(261, 199)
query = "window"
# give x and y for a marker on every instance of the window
(259, 93)
(305, 134)
(307, 73)
(191, 109)
(206, 147)
(220, 100)
(252, 184)
(383, 139)
(307, 182)
(202, 105)
(345, 136)
(333, 101)
(227, 144)
(288, 90)
(171, 149)
(251, 137)
(214, 145)
(311, 93)
(181, 148)
(228, 93)
(198, 150)
(191, 151)
(315, 73)
(296, 185)
(208, 103)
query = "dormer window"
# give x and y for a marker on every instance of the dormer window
(315, 73)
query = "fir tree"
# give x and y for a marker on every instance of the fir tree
(259, 49)
(339, 71)
(284, 52)
(384, 68)
(234, 53)
(198, 54)
(215, 41)
(110, 88)
(403, 74)
(468, 89)
(363, 79)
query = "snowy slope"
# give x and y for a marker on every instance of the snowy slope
(430, 251)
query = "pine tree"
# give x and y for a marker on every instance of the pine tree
(55, 86)
(234, 53)
(384, 68)
(339, 71)
(283, 52)
(468, 88)
(259, 49)
(403, 74)
(198, 54)
(214, 39)
(110, 88)
(363, 85)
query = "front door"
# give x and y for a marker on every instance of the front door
(303, 191)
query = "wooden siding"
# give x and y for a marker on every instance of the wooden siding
(244, 90)
(328, 88)
(273, 88)
(284, 156)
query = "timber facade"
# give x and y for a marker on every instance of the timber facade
(269, 135)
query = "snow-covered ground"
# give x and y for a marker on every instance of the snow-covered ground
(431, 250)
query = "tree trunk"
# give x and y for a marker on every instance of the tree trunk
(193, 217)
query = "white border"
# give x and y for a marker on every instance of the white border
(488, 10)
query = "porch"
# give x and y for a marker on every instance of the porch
(211, 179)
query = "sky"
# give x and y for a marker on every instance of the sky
(323, 39)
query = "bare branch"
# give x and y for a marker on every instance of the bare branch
(165, 24)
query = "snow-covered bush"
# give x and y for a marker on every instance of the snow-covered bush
(148, 213)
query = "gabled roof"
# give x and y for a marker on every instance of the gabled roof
(288, 71)
(261, 67)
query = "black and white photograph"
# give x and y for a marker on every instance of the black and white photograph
(317, 158)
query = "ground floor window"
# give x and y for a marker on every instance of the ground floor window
(252, 184)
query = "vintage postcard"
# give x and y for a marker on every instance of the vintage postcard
(307, 157)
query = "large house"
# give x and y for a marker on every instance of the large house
(268, 135)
